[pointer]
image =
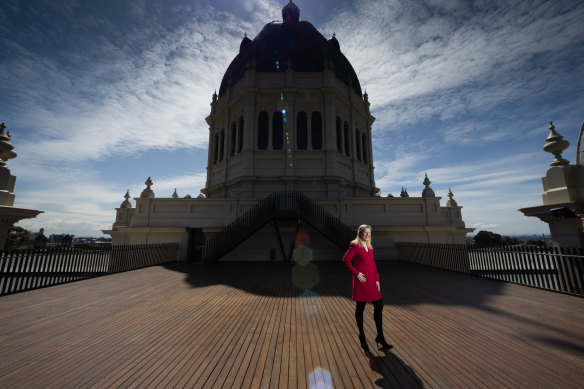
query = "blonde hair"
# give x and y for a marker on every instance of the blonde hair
(358, 239)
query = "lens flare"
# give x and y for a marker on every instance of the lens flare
(309, 303)
(305, 275)
(320, 379)
(283, 107)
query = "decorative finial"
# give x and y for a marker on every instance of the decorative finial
(555, 144)
(175, 195)
(451, 202)
(146, 193)
(427, 192)
(291, 12)
(126, 203)
(6, 147)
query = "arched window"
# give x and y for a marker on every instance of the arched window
(232, 140)
(215, 148)
(316, 130)
(347, 140)
(364, 144)
(222, 145)
(301, 131)
(263, 131)
(358, 143)
(240, 135)
(339, 135)
(277, 131)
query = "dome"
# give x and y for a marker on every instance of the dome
(290, 42)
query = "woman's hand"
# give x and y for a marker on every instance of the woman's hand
(361, 277)
(378, 286)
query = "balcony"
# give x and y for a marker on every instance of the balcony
(291, 326)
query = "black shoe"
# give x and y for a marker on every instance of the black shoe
(364, 344)
(384, 345)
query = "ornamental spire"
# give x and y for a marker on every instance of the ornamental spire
(6, 147)
(147, 192)
(126, 203)
(555, 144)
(427, 192)
(291, 12)
(451, 202)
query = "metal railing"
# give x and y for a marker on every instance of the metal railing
(553, 268)
(22, 270)
(276, 205)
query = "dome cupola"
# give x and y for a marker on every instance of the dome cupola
(291, 12)
(290, 43)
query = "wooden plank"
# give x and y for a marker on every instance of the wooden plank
(212, 327)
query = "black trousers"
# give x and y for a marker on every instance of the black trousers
(377, 316)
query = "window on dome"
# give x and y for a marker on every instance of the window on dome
(339, 135)
(347, 140)
(240, 135)
(222, 145)
(215, 148)
(364, 144)
(263, 131)
(277, 131)
(302, 131)
(358, 144)
(316, 130)
(232, 140)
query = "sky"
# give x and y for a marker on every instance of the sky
(100, 95)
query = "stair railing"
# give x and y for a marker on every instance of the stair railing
(276, 205)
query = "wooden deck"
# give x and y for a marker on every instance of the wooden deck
(265, 325)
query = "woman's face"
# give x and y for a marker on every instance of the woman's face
(365, 234)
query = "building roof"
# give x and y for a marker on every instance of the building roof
(292, 43)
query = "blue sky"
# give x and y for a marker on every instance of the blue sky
(99, 95)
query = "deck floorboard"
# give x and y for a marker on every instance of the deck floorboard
(268, 325)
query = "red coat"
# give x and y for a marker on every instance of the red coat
(362, 262)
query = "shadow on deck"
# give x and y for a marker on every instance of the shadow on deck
(285, 325)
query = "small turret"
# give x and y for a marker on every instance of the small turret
(291, 12)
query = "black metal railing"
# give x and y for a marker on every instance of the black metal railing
(22, 270)
(276, 205)
(553, 268)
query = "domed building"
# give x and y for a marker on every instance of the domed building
(290, 116)
(290, 155)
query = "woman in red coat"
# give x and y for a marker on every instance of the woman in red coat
(359, 261)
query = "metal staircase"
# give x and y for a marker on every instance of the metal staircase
(278, 205)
